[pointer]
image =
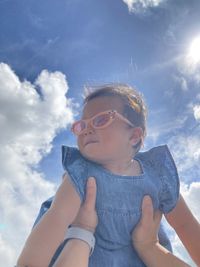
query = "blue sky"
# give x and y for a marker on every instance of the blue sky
(145, 43)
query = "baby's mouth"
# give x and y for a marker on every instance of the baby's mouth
(90, 142)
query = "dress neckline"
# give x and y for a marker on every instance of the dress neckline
(119, 176)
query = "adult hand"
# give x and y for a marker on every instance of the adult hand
(145, 239)
(87, 215)
(146, 232)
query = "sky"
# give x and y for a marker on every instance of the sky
(49, 51)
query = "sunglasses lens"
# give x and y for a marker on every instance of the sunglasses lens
(101, 120)
(78, 127)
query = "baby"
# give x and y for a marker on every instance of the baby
(109, 137)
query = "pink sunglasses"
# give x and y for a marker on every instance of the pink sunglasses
(99, 121)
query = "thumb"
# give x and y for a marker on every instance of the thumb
(147, 210)
(91, 189)
(157, 217)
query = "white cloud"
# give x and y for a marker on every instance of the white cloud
(196, 110)
(156, 131)
(186, 151)
(182, 81)
(191, 195)
(141, 5)
(28, 121)
(190, 70)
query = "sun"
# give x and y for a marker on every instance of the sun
(194, 51)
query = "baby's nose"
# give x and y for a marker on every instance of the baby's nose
(89, 132)
(89, 129)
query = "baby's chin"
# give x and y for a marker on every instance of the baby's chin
(93, 157)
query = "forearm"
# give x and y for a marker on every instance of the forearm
(187, 228)
(75, 254)
(155, 255)
(190, 236)
(44, 240)
(48, 234)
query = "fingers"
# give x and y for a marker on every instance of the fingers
(91, 189)
(148, 213)
(157, 217)
(147, 210)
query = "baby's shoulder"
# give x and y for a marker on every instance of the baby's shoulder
(77, 168)
(155, 154)
(158, 158)
(71, 156)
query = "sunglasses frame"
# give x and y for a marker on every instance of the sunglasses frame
(113, 114)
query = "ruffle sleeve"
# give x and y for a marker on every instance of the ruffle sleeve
(76, 166)
(167, 171)
(162, 170)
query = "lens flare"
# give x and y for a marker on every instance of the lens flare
(194, 51)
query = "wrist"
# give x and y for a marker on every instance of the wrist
(142, 247)
(85, 227)
(81, 234)
(79, 244)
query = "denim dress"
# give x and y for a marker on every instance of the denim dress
(119, 200)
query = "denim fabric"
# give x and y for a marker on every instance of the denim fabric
(119, 200)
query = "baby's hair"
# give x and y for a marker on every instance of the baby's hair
(134, 106)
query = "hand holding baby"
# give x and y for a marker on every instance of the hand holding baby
(87, 215)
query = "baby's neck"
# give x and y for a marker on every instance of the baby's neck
(129, 167)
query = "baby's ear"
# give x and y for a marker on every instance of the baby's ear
(137, 134)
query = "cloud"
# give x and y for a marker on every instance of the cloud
(196, 110)
(141, 5)
(159, 128)
(182, 82)
(30, 117)
(186, 151)
(191, 195)
(189, 69)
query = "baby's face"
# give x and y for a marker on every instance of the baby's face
(107, 144)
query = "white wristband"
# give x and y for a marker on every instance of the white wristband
(82, 234)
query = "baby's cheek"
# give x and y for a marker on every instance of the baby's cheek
(108, 138)
(79, 142)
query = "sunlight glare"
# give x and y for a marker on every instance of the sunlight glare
(194, 50)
